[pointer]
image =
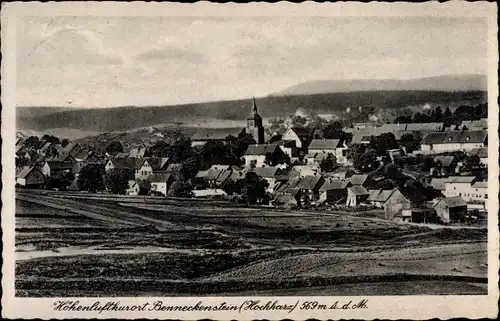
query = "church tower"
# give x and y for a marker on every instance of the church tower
(254, 125)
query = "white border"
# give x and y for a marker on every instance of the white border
(389, 307)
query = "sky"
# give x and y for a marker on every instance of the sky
(141, 61)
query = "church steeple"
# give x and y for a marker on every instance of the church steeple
(254, 124)
(254, 107)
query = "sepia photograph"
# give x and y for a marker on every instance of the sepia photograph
(249, 156)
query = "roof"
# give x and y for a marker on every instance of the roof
(425, 126)
(480, 152)
(137, 152)
(203, 134)
(83, 154)
(157, 163)
(461, 179)
(55, 165)
(453, 201)
(25, 171)
(285, 143)
(127, 162)
(209, 192)
(358, 190)
(285, 198)
(466, 136)
(319, 156)
(446, 161)
(480, 185)
(434, 138)
(358, 179)
(160, 177)
(324, 144)
(174, 167)
(310, 182)
(261, 149)
(303, 132)
(390, 128)
(236, 175)
(71, 148)
(380, 195)
(266, 172)
(411, 194)
(225, 174)
(475, 124)
(287, 173)
(439, 183)
(334, 184)
(291, 183)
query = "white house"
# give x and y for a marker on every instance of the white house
(133, 188)
(330, 146)
(465, 140)
(459, 186)
(255, 156)
(161, 182)
(30, 177)
(301, 136)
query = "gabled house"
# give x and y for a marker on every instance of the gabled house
(333, 191)
(463, 140)
(288, 199)
(255, 156)
(302, 137)
(203, 135)
(267, 173)
(30, 176)
(129, 164)
(213, 177)
(288, 147)
(356, 195)
(161, 182)
(459, 186)
(138, 152)
(451, 209)
(482, 153)
(448, 164)
(403, 199)
(51, 168)
(309, 187)
(360, 179)
(378, 197)
(133, 188)
(71, 149)
(334, 147)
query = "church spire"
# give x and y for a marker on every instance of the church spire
(254, 107)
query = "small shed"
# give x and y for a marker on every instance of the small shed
(356, 195)
(30, 177)
(333, 191)
(378, 197)
(451, 209)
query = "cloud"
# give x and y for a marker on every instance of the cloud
(171, 54)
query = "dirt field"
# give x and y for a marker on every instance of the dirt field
(71, 244)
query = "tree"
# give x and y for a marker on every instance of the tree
(333, 130)
(144, 186)
(254, 188)
(409, 142)
(383, 142)
(240, 145)
(427, 163)
(273, 159)
(31, 142)
(51, 152)
(116, 180)
(114, 148)
(403, 120)
(472, 162)
(181, 189)
(64, 142)
(50, 139)
(391, 171)
(180, 150)
(91, 178)
(447, 117)
(385, 184)
(328, 164)
(364, 160)
(437, 114)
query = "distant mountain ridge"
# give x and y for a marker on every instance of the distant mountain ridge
(438, 83)
(279, 105)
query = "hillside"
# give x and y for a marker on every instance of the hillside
(127, 118)
(440, 83)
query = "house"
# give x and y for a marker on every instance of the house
(214, 176)
(448, 164)
(210, 193)
(30, 177)
(419, 215)
(474, 124)
(203, 135)
(451, 209)
(130, 164)
(138, 152)
(356, 195)
(151, 165)
(378, 197)
(459, 186)
(288, 147)
(161, 182)
(71, 149)
(463, 140)
(302, 137)
(478, 195)
(307, 170)
(482, 153)
(360, 179)
(133, 188)
(403, 199)
(51, 168)
(268, 174)
(309, 187)
(333, 191)
(334, 147)
(439, 184)
(288, 199)
(255, 156)
(315, 159)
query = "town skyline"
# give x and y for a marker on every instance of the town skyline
(104, 62)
